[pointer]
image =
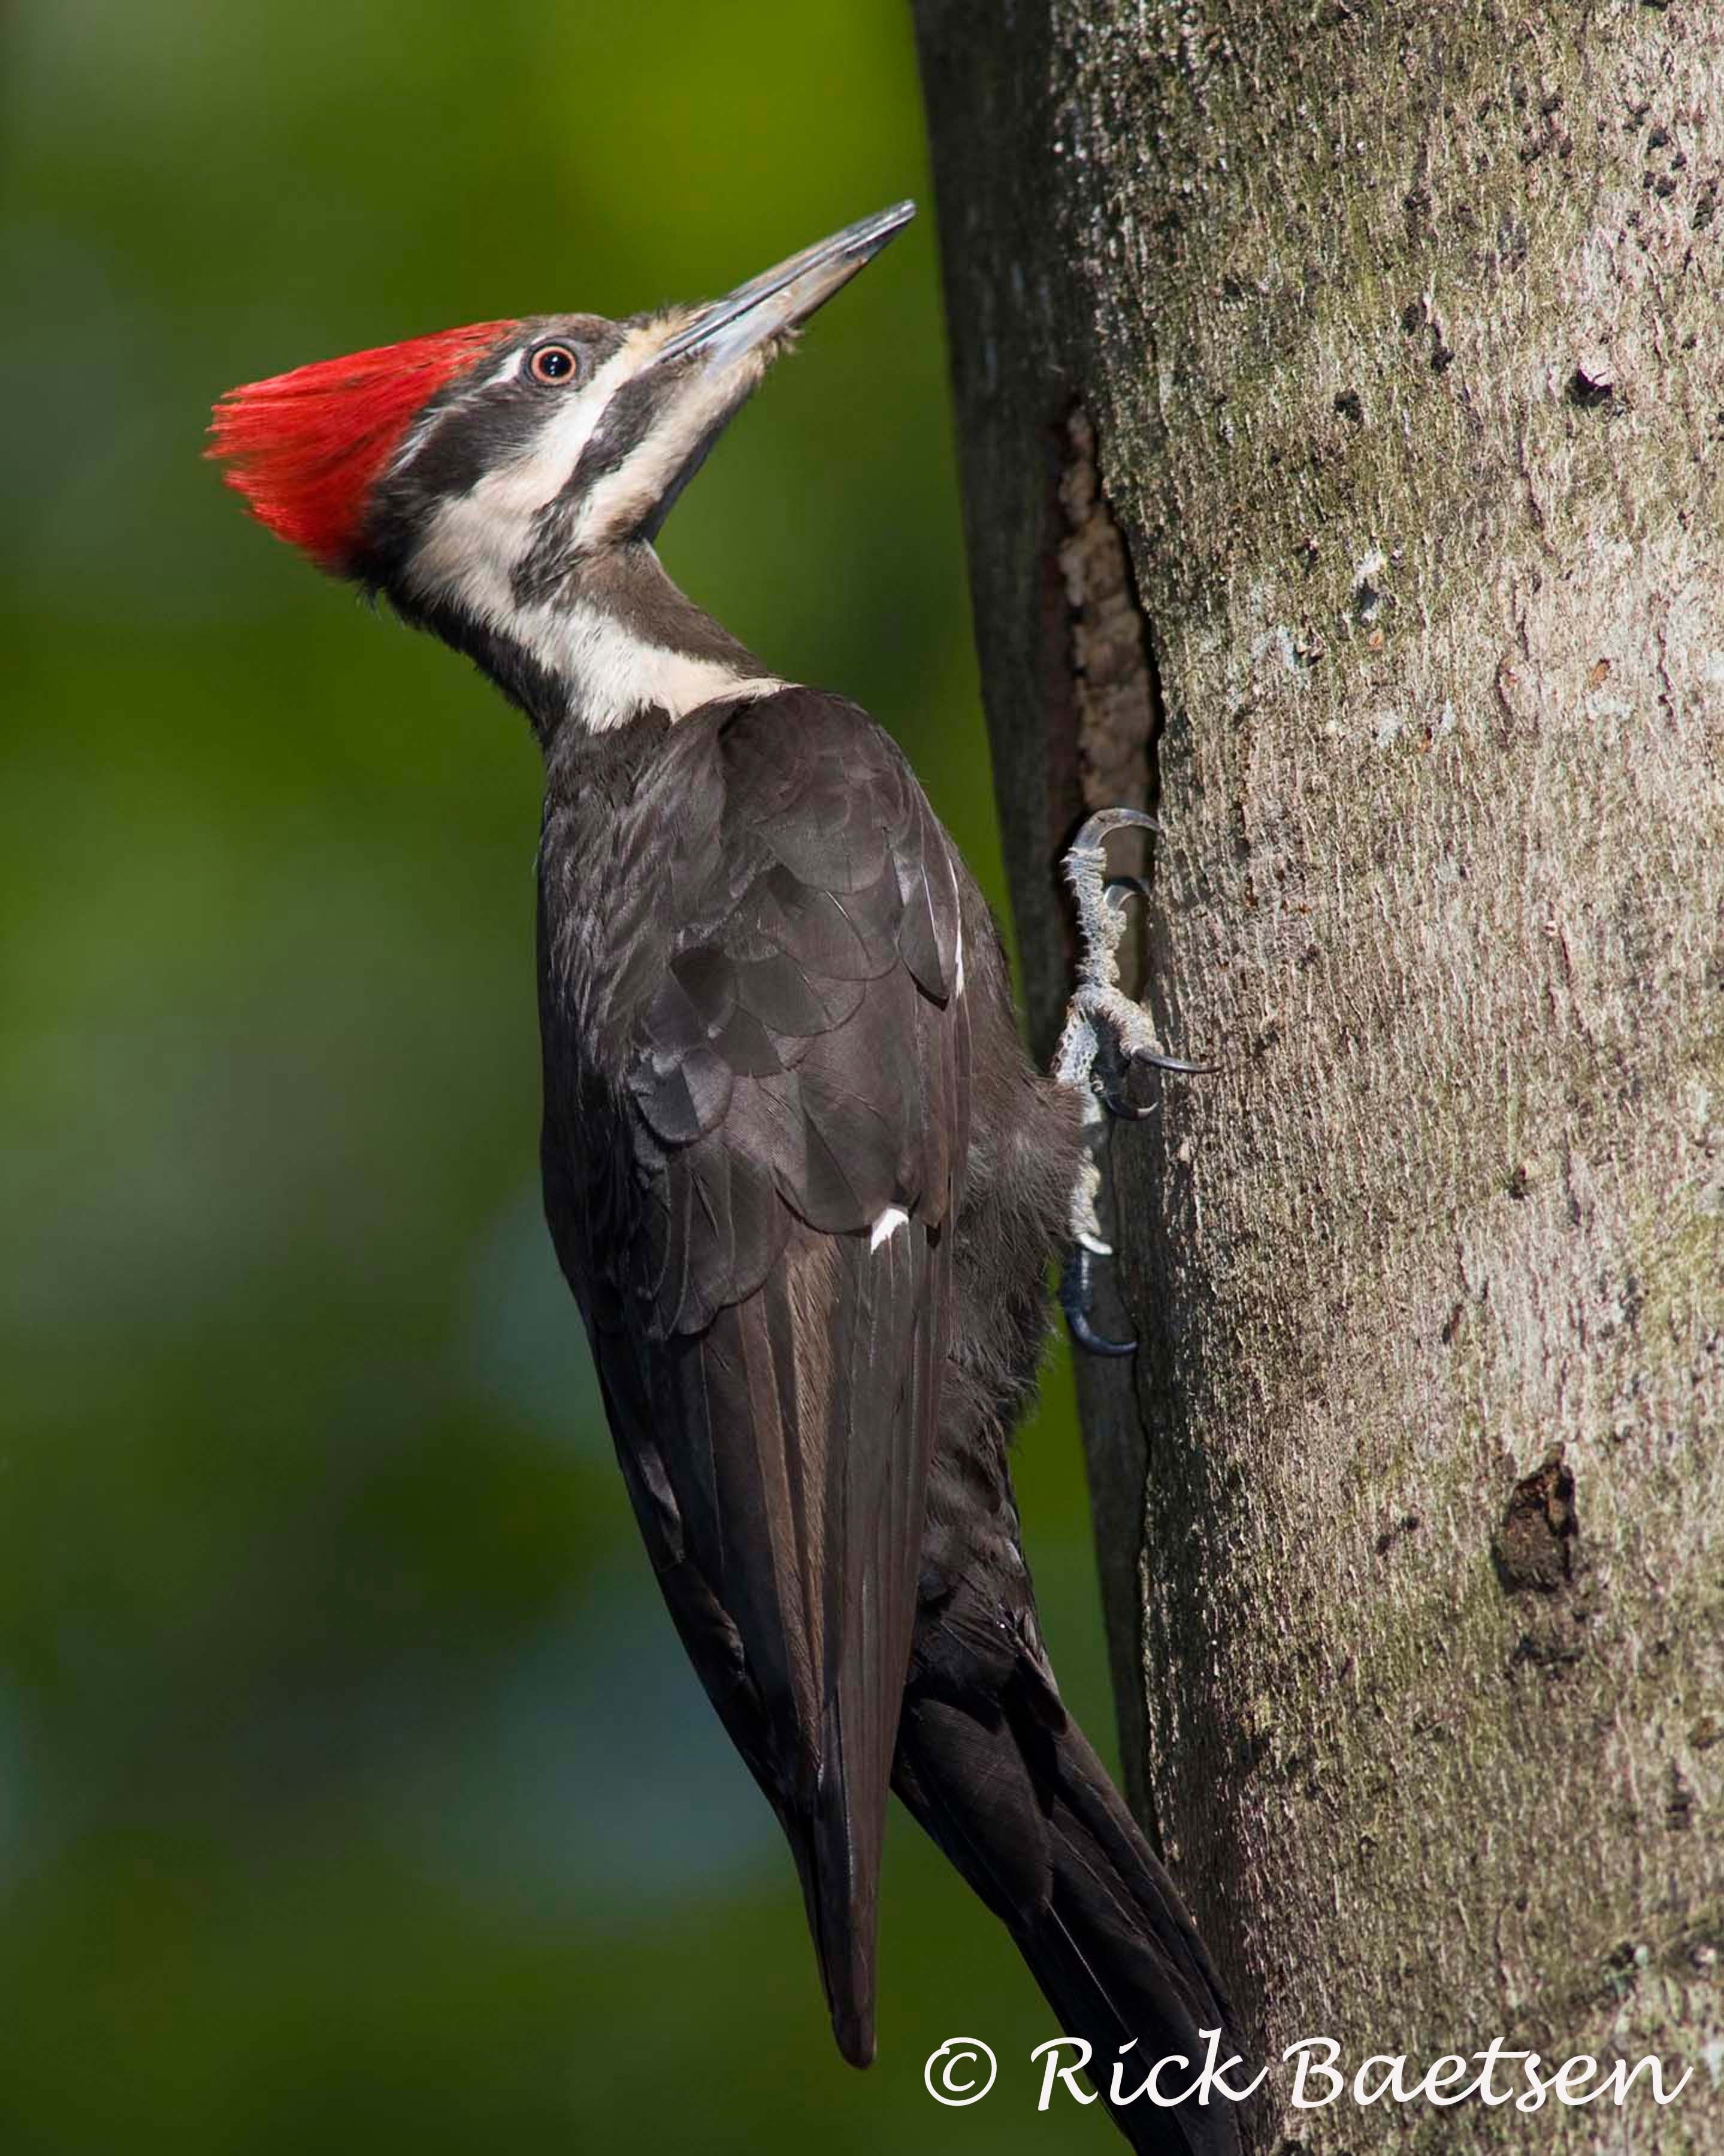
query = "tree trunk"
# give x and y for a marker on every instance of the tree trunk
(1340, 394)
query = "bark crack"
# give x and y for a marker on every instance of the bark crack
(1117, 691)
(1116, 683)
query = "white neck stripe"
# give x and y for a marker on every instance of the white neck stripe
(473, 543)
(611, 675)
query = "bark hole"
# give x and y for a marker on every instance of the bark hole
(1534, 1547)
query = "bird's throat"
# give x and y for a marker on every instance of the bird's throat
(614, 639)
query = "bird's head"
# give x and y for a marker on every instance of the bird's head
(488, 479)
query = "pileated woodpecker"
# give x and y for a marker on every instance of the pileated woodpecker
(799, 1174)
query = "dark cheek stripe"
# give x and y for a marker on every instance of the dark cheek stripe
(624, 425)
(539, 571)
(473, 428)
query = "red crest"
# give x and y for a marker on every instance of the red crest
(306, 448)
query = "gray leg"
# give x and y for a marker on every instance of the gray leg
(1104, 1033)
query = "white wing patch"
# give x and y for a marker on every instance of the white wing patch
(889, 1222)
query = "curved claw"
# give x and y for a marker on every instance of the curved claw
(1157, 1061)
(1118, 1101)
(1091, 1342)
(1074, 1297)
(1118, 889)
(1096, 828)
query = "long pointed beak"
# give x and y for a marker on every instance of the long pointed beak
(781, 299)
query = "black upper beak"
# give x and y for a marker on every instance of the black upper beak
(782, 298)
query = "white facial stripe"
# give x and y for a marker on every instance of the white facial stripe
(624, 498)
(889, 1222)
(426, 425)
(611, 673)
(417, 436)
(467, 556)
(473, 544)
(516, 492)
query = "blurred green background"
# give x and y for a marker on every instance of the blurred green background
(353, 1793)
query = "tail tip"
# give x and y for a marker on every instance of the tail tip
(854, 2030)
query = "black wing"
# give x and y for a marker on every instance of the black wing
(764, 1249)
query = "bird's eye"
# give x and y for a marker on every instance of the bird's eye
(554, 363)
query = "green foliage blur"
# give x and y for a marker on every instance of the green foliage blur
(353, 1793)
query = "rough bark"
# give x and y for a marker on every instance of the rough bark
(1388, 339)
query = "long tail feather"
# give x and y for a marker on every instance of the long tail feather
(1020, 1803)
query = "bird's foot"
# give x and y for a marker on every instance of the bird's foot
(1076, 1299)
(1105, 1034)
